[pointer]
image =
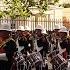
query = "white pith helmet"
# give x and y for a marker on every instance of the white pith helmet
(39, 27)
(44, 31)
(21, 28)
(5, 26)
(63, 29)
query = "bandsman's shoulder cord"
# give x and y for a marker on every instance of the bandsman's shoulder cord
(4, 42)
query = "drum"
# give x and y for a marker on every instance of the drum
(18, 62)
(19, 58)
(59, 62)
(34, 58)
(54, 53)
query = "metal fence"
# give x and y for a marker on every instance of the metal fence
(33, 21)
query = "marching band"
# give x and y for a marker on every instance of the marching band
(23, 49)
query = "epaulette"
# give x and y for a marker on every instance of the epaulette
(4, 42)
(11, 39)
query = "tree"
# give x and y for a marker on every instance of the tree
(65, 5)
(1, 14)
(21, 7)
(15, 8)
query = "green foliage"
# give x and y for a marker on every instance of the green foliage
(31, 3)
(20, 8)
(42, 4)
(56, 1)
(2, 14)
(16, 9)
(65, 5)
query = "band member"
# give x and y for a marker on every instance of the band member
(41, 40)
(64, 45)
(50, 41)
(21, 39)
(42, 44)
(55, 36)
(56, 29)
(24, 40)
(44, 32)
(7, 47)
(29, 37)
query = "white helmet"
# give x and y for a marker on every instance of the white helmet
(5, 26)
(21, 28)
(27, 28)
(39, 27)
(14, 30)
(63, 29)
(57, 26)
(44, 31)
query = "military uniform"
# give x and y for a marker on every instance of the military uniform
(7, 48)
(25, 40)
(41, 39)
(42, 44)
(64, 45)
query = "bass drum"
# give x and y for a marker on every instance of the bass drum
(34, 58)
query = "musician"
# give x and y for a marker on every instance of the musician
(21, 38)
(55, 36)
(64, 45)
(41, 40)
(29, 37)
(7, 47)
(24, 40)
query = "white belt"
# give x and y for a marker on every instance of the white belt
(39, 48)
(3, 56)
(20, 48)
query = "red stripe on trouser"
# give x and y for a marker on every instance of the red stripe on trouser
(65, 54)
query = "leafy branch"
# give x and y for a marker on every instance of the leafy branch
(20, 8)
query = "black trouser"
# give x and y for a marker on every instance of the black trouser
(39, 67)
(4, 65)
(43, 53)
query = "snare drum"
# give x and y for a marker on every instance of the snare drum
(34, 58)
(19, 58)
(53, 54)
(18, 62)
(59, 62)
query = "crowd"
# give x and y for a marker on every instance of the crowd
(25, 49)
